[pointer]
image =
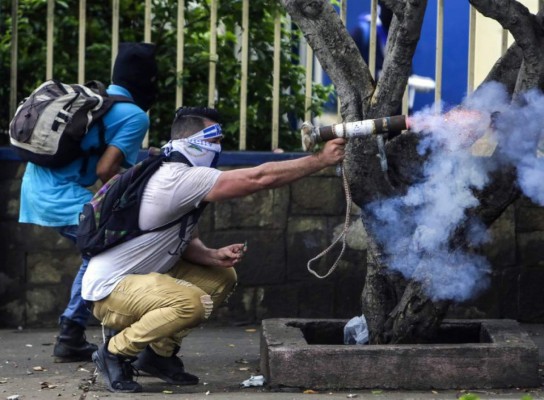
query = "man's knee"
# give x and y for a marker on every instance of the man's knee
(207, 305)
(194, 310)
(229, 278)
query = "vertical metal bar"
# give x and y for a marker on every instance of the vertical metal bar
(81, 41)
(343, 18)
(471, 47)
(343, 10)
(114, 31)
(147, 39)
(243, 75)
(504, 41)
(276, 83)
(372, 44)
(180, 53)
(405, 105)
(309, 79)
(50, 29)
(14, 51)
(147, 22)
(439, 51)
(213, 53)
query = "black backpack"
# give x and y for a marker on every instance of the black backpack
(50, 124)
(111, 217)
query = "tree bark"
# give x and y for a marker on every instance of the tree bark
(336, 51)
(526, 29)
(398, 311)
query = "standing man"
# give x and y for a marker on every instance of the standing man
(154, 288)
(55, 197)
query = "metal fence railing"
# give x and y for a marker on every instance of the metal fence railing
(244, 54)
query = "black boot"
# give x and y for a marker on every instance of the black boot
(72, 344)
(169, 369)
(116, 370)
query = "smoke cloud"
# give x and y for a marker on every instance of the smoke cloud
(415, 228)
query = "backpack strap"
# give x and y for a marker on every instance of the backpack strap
(102, 145)
(193, 215)
(97, 87)
(176, 156)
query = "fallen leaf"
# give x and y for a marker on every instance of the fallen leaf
(310, 391)
(251, 330)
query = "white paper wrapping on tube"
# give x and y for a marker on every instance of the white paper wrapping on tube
(354, 129)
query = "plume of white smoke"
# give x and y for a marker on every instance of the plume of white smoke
(415, 229)
(520, 131)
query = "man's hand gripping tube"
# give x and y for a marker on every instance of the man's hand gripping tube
(312, 135)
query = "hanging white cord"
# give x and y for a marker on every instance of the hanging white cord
(341, 236)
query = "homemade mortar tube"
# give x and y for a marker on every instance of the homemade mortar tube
(312, 135)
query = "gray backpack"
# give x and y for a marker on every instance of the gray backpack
(50, 124)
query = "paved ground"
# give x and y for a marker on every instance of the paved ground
(221, 356)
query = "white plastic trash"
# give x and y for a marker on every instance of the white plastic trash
(356, 331)
(254, 380)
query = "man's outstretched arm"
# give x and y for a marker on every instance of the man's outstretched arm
(245, 181)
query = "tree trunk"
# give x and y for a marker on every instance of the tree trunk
(398, 311)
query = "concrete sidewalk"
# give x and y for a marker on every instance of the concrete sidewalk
(221, 356)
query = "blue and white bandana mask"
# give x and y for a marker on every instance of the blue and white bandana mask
(196, 148)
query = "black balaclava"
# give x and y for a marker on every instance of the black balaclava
(135, 69)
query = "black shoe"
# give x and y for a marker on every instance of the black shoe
(116, 370)
(72, 344)
(169, 369)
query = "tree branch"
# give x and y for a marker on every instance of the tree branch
(527, 31)
(506, 69)
(396, 7)
(336, 51)
(401, 45)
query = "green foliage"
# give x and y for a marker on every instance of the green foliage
(472, 396)
(469, 396)
(193, 78)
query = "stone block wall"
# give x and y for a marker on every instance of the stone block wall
(284, 228)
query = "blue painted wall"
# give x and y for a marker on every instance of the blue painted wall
(455, 61)
(454, 68)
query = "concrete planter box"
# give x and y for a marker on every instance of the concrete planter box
(471, 354)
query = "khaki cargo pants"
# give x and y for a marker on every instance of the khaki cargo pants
(160, 309)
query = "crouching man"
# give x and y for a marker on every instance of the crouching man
(154, 288)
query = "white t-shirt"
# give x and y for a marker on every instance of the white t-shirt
(174, 190)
